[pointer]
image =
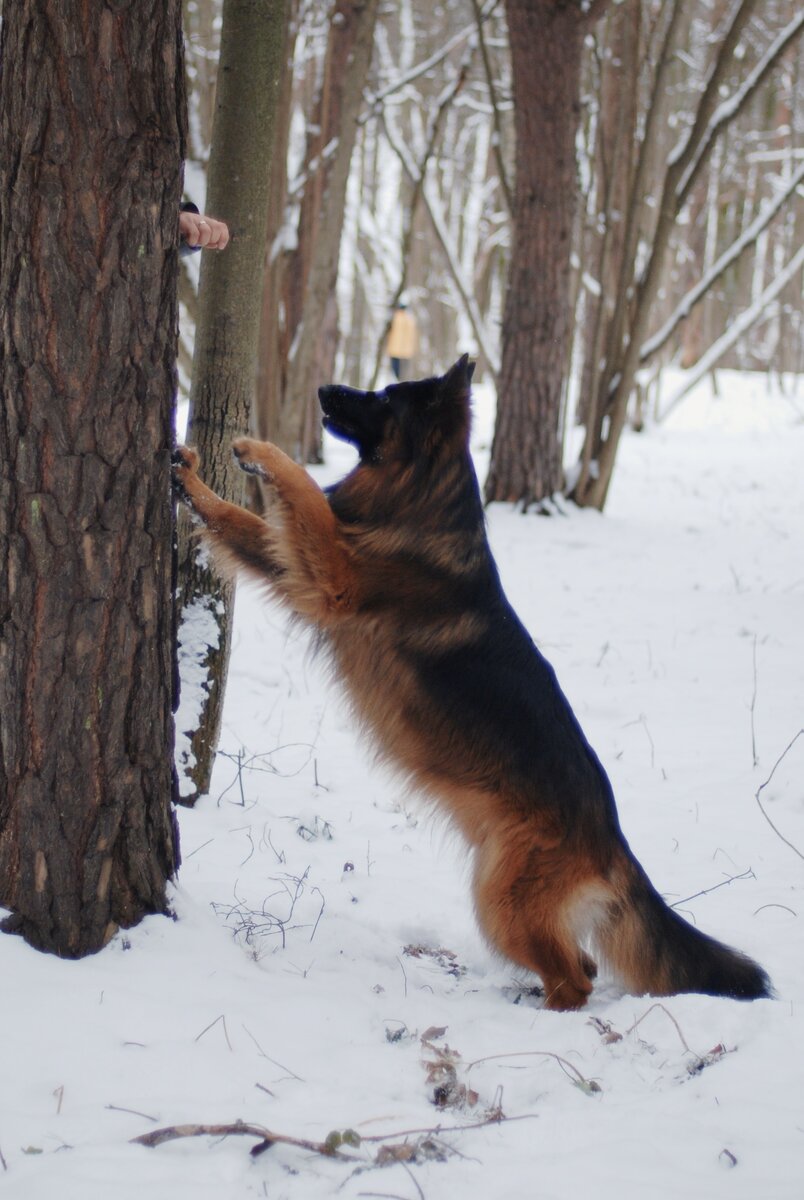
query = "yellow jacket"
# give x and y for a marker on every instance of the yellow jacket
(403, 338)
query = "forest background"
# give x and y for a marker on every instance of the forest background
(575, 193)
(581, 194)
(398, 166)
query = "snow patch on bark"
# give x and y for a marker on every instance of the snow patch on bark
(198, 633)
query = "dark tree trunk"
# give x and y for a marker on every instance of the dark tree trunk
(546, 38)
(91, 143)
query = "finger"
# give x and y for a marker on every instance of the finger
(219, 234)
(204, 232)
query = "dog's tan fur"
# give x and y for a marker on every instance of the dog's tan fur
(393, 571)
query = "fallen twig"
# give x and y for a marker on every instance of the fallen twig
(786, 908)
(437, 1130)
(753, 707)
(222, 1019)
(383, 1195)
(747, 874)
(587, 1085)
(668, 1014)
(132, 1112)
(762, 787)
(266, 1137)
(414, 1180)
(331, 1147)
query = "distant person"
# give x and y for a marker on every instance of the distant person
(403, 339)
(199, 232)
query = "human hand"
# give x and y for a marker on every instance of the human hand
(204, 233)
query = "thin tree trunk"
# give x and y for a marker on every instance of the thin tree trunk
(224, 362)
(91, 143)
(273, 344)
(348, 59)
(614, 177)
(681, 170)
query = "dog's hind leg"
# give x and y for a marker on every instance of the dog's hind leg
(524, 902)
(321, 578)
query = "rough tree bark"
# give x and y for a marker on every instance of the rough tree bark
(91, 143)
(546, 40)
(225, 356)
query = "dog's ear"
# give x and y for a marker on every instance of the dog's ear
(456, 383)
(449, 405)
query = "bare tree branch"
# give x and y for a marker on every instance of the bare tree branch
(737, 248)
(683, 166)
(447, 96)
(495, 109)
(736, 22)
(442, 233)
(729, 109)
(375, 99)
(633, 223)
(746, 319)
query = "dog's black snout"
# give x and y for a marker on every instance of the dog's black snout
(337, 394)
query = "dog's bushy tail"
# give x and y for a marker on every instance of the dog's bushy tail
(654, 950)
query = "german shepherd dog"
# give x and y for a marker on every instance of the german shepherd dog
(392, 569)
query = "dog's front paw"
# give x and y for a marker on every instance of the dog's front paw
(183, 456)
(184, 463)
(251, 458)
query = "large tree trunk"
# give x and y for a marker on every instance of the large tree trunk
(91, 137)
(546, 38)
(225, 357)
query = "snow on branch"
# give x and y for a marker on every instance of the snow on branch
(432, 205)
(746, 238)
(466, 293)
(730, 108)
(497, 140)
(727, 42)
(374, 99)
(735, 331)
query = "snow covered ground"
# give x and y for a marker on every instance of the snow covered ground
(324, 972)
